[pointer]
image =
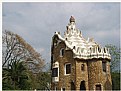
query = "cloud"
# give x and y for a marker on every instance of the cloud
(37, 22)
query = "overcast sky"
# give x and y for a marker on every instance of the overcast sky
(37, 22)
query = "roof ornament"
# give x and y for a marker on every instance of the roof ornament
(72, 19)
(91, 39)
(82, 48)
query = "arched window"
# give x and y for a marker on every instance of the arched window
(62, 52)
(82, 67)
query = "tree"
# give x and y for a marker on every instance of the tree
(15, 48)
(15, 74)
(115, 80)
(20, 62)
(43, 80)
(115, 57)
(40, 80)
(115, 66)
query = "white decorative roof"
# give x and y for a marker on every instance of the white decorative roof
(82, 48)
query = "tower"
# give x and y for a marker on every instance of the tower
(77, 63)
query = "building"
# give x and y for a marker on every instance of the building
(77, 63)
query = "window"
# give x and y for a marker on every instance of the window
(104, 66)
(67, 68)
(82, 67)
(55, 72)
(62, 52)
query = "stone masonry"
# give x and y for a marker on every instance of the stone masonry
(79, 64)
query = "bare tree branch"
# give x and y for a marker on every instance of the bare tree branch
(15, 48)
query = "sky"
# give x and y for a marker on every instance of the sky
(37, 22)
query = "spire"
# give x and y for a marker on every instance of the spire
(72, 19)
(72, 32)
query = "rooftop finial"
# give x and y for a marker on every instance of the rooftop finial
(72, 19)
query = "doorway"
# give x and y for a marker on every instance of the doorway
(72, 86)
(98, 87)
(82, 86)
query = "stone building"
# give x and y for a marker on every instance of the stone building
(77, 63)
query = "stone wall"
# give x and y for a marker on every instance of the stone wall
(96, 74)
(92, 75)
(81, 75)
(64, 80)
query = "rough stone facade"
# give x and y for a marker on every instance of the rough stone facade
(86, 74)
